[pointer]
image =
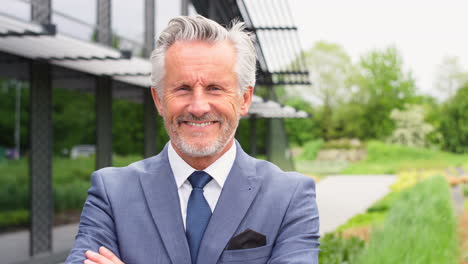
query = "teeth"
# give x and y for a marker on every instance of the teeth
(199, 124)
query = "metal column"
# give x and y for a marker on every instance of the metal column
(104, 32)
(41, 11)
(40, 133)
(278, 150)
(150, 131)
(184, 7)
(253, 135)
(103, 122)
(149, 113)
(103, 91)
(40, 163)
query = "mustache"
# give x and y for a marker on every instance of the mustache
(205, 117)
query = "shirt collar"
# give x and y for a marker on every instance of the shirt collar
(219, 170)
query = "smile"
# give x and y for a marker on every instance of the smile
(199, 124)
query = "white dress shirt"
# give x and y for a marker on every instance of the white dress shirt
(219, 171)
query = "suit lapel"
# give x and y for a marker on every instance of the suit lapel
(160, 190)
(239, 190)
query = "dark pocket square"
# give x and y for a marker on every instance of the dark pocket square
(247, 239)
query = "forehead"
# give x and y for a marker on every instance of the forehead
(184, 52)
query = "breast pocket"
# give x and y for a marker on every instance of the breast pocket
(247, 256)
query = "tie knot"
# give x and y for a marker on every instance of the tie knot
(199, 179)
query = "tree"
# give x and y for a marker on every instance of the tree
(411, 128)
(454, 122)
(381, 86)
(450, 77)
(329, 68)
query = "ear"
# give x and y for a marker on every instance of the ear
(157, 101)
(246, 100)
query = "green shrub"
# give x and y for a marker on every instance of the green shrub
(384, 204)
(420, 228)
(364, 219)
(311, 149)
(17, 218)
(335, 249)
(454, 122)
(70, 182)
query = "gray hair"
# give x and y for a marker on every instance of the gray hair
(199, 28)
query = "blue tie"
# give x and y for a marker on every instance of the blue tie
(198, 212)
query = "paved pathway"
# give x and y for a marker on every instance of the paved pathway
(14, 247)
(341, 197)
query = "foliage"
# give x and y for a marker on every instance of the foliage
(374, 215)
(311, 149)
(16, 218)
(411, 129)
(406, 179)
(385, 158)
(302, 130)
(364, 219)
(420, 228)
(7, 113)
(381, 86)
(450, 76)
(454, 122)
(384, 204)
(335, 249)
(330, 67)
(71, 180)
(74, 111)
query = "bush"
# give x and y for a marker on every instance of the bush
(17, 218)
(454, 122)
(70, 182)
(311, 149)
(375, 215)
(420, 228)
(335, 249)
(364, 219)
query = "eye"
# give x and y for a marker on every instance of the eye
(183, 88)
(214, 88)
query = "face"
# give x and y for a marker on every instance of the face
(200, 102)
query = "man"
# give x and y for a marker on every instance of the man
(202, 199)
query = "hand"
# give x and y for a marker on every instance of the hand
(104, 256)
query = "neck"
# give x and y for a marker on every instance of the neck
(201, 163)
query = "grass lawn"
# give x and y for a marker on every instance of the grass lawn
(385, 158)
(390, 159)
(413, 226)
(420, 228)
(320, 168)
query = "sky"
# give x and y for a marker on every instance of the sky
(424, 31)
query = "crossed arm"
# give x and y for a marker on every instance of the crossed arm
(297, 241)
(105, 256)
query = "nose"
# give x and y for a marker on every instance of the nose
(199, 103)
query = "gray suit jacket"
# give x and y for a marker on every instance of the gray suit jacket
(135, 212)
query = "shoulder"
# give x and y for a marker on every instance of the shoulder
(123, 176)
(276, 179)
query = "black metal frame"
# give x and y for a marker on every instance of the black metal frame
(224, 11)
